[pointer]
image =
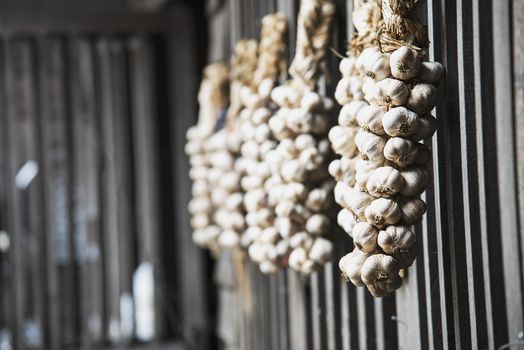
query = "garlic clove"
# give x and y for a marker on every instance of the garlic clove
(365, 237)
(401, 151)
(427, 125)
(415, 180)
(396, 239)
(382, 212)
(351, 265)
(423, 98)
(370, 118)
(400, 121)
(430, 72)
(385, 182)
(405, 63)
(412, 210)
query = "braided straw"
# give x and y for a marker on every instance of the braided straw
(272, 46)
(243, 64)
(313, 30)
(213, 95)
(367, 19)
(401, 26)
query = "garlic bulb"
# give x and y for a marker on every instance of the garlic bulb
(385, 182)
(390, 92)
(415, 180)
(351, 266)
(405, 63)
(400, 151)
(380, 273)
(412, 209)
(346, 220)
(427, 125)
(358, 203)
(321, 251)
(400, 121)
(341, 140)
(370, 146)
(365, 237)
(377, 67)
(382, 212)
(423, 98)
(430, 72)
(396, 240)
(347, 66)
(370, 118)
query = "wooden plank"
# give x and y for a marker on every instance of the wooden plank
(297, 303)
(109, 197)
(283, 315)
(7, 315)
(189, 260)
(318, 310)
(408, 313)
(506, 167)
(145, 134)
(86, 186)
(26, 222)
(332, 301)
(62, 295)
(365, 319)
(517, 11)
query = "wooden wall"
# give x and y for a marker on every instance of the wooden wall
(465, 290)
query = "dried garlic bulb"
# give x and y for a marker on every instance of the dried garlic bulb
(351, 266)
(405, 63)
(396, 240)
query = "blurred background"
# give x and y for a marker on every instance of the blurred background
(95, 243)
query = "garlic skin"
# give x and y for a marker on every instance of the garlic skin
(385, 182)
(365, 237)
(422, 99)
(405, 63)
(390, 92)
(401, 151)
(400, 121)
(351, 266)
(412, 210)
(370, 118)
(382, 212)
(430, 72)
(396, 240)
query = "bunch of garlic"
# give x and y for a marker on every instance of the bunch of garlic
(223, 151)
(300, 187)
(256, 140)
(391, 170)
(213, 98)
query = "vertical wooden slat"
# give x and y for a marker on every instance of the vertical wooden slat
(61, 292)
(190, 268)
(297, 303)
(86, 145)
(25, 184)
(147, 191)
(318, 314)
(506, 167)
(110, 197)
(6, 278)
